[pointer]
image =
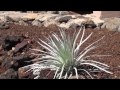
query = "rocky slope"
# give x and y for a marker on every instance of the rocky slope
(63, 19)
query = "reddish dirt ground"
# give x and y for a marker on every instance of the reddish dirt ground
(110, 45)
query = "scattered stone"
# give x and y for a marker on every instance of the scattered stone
(45, 20)
(3, 19)
(37, 23)
(53, 12)
(21, 45)
(112, 27)
(64, 19)
(112, 24)
(30, 16)
(63, 12)
(13, 18)
(98, 22)
(16, 62)
(21, 22)
(9, 74)
(89, 24)
(21, 60)
(64, 25)
(14, 39)
(9, 19)
(21, 57)
(46, 17)
(50, 22)
(71, 22)
(11, 41)
(4, 26)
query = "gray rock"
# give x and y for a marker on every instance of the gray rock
(53, 12)
(63, 12)
(9, 74)
(13, 19)
(4, 25)
(111, 24)
(99, 25)
(46, 17)
(49, 22)
(3, 19)
(9, 19)
(21, 22)
(64, 19)
(103, 26)
(36, 23)
(112, 27)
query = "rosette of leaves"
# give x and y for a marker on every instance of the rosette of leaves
(64, 56)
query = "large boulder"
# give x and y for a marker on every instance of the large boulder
(37, 23)
(112, 24)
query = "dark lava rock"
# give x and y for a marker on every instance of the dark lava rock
(20, 61)
(65, 19)
(89, 24)
(9, 74)
(16, 62)
(21, 46)
(11, 41)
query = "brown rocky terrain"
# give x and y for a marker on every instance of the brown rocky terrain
(18, 36)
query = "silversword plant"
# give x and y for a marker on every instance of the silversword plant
(63, 55)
